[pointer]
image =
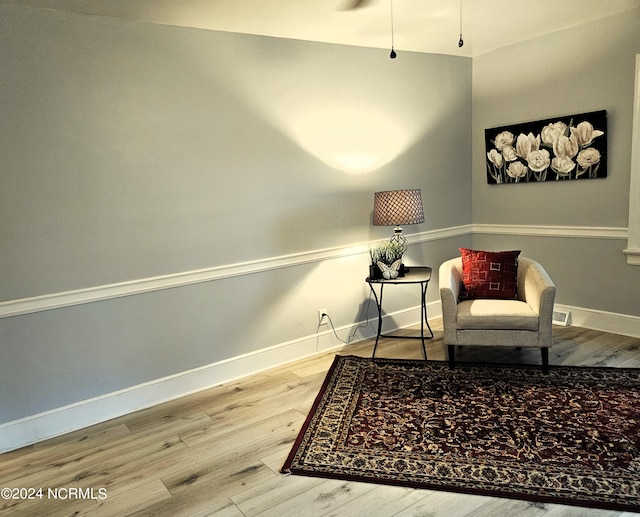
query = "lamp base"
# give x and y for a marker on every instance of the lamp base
(398, 237)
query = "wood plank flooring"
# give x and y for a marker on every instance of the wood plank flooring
(219, 452)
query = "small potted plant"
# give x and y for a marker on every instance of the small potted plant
(386, 259)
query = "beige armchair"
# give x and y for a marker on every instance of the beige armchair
(525, 322)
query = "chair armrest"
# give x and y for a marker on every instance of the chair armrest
(449, 279)
(538, 290)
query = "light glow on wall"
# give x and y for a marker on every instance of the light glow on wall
(348, 139)
(354, 120)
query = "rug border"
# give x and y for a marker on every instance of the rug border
(286, 468)
(470, 491)
(338, 359)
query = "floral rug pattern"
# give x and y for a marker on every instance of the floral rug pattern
(572, 436)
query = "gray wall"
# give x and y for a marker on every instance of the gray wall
(132, 150)
(582, 69)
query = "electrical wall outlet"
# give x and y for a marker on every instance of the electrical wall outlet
(323, 317)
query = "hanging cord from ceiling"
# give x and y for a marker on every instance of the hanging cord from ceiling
(460, 41)
(393, 52)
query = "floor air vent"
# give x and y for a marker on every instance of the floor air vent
(562, 318)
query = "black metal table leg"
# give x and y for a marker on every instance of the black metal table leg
(379, 306)
(423, 320)
(414, 275)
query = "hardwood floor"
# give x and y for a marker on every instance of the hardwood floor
(219, 452)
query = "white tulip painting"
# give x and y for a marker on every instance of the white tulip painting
(559, 149)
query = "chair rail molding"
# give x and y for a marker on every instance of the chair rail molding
(17, 307)
(633, 244)
(59, 300)
(581, 232)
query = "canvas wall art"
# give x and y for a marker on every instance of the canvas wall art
(573, 147)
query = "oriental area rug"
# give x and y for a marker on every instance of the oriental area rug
(569, 437)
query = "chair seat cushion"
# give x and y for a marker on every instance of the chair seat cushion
(496, 315)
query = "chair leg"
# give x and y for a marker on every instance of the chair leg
(545, 360)
(451, 349)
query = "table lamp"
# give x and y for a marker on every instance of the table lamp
(395, 208)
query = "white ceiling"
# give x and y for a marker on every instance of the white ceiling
(419, 25)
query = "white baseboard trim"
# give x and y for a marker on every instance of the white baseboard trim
(49, 424)
(623, 324)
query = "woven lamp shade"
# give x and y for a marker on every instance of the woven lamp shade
(397, 207)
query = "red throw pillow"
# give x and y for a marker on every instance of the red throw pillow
(489, 274)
